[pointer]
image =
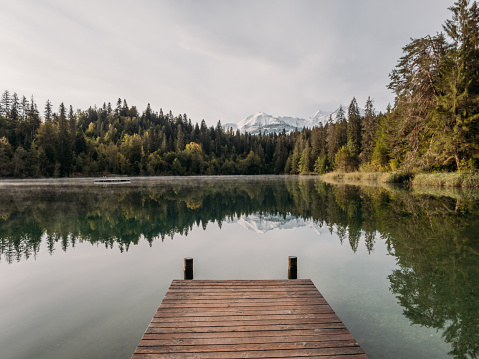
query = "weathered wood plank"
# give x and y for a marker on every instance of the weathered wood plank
(240, 288)
(250, 334)
(240, 294)
(245, 340)
(240, 355)
(264, 282)
(246, 301)
(246, 319)
(243, 328)
(201, 312)
(164, 349)
(245, 323)
(315, 308)
(288, 353)
(227, 317)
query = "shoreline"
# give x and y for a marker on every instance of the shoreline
(438, 179)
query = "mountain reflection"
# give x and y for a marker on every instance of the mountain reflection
(433, 238)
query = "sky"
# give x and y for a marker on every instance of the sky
(211, 59)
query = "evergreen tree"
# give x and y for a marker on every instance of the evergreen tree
(33, 122)
(296, 156)
(25, 107)
(354, 123)
(304, 164)
(64, 148)
(6, 153)
(118, 108)
(354, 132)
(5, 103)
(331, 142)
(48, 111)
(72, 123)
(180, 140)
(368, 128)
(321, 164)
(124, 109)
(456, 118)
(288, 164)
(414, 83)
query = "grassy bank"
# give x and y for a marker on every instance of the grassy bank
(379, 177)
(440, 179)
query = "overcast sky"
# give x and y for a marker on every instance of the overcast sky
(213, 60)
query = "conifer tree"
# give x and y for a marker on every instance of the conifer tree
(64, 149)
(48, 111)
(296, 156)
(5, 103)
(456, 117)
(414, 83)
(124, 109)
(368, 129)
(331, 139)
(118, 108)
(33, 122)
(304, 162)
(72, 123)
(354, 123)
(354, 132)
(180, 141)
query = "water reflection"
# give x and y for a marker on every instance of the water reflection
(433, 238)
(123, 215)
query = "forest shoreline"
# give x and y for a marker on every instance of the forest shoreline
(435, 179)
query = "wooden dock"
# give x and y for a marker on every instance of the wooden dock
(246, 319)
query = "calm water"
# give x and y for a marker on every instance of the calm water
(83, 268)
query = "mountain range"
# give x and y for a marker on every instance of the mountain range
(264, 123)
(262, 223)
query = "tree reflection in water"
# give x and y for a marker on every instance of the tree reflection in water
(433, 238)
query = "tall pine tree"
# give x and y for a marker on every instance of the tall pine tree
(456, 116)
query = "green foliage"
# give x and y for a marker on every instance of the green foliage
(368, 128)
(321, 165)
(354, 137)
(345, 160)
(251, 165)
(176, 168)
(304, 165)
(434, 123)
(5, 157)
(445, 179)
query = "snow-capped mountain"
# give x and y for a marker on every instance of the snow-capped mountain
(322, 117)
(262, 223)
(269, 124)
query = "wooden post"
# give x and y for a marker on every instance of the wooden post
(292, 267)
(188, 268)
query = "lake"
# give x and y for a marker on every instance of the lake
(84, 267)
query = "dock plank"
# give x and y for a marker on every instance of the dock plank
(246, 319)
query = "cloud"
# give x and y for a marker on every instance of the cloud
(213, 59)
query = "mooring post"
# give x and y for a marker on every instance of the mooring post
(188, 268)
(292, 267)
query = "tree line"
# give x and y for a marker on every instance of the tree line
(432, 126)
(119, 140)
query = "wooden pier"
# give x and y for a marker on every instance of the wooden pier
(246, 319)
